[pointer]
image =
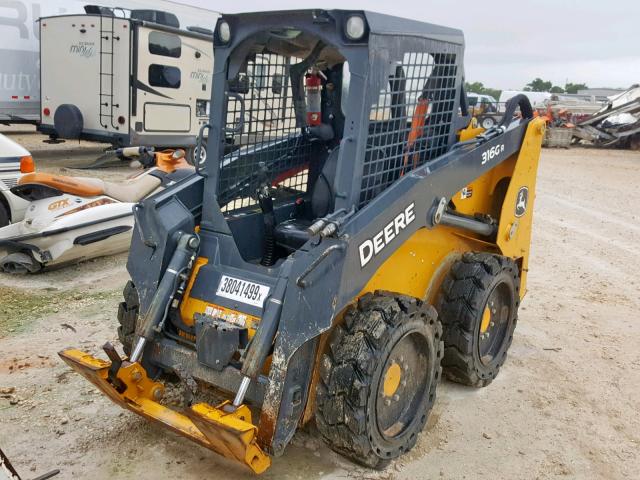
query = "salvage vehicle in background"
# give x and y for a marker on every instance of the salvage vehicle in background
(70, 219)
(145, 81)
(15, 161)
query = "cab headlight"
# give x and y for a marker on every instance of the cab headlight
(224, 31)
(355, 27)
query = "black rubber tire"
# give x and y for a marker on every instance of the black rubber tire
(190, 154)
(351, 371)
(128, 316)
(464, 296)
(5, 217)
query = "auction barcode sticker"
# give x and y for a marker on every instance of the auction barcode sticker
(243, 291)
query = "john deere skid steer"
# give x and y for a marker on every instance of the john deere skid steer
(348, 239)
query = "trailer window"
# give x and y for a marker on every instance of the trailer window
(164, 76)
(165, 44)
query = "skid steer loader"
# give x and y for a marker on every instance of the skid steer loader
(355, 240)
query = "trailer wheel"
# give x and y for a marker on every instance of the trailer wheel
(478, 307)
(191, 154)
(378, 378)
(128, 316)
(487, 122)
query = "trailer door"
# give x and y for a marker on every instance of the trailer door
(161, 105)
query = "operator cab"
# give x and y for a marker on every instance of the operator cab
(295, 151)
(284, 116)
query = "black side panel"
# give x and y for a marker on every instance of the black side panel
(158, 219)
(294, 397)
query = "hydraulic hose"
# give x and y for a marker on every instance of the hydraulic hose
(520, 100)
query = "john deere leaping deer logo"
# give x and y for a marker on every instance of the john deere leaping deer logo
(521, 201)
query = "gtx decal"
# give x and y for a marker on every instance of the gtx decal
(373, 246)
(58, 204)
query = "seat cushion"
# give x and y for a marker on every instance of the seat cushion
(81, 186)
(292, 234)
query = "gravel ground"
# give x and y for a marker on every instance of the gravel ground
(564, 406)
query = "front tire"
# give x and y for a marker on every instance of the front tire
(478, 307)
(378, 378)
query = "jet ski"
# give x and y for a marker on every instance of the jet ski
(71, 219)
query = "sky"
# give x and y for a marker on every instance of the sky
(509, 43)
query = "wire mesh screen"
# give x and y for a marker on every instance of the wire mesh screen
(412, 121)
(261, 124)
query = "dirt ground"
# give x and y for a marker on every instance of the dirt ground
(564, 406)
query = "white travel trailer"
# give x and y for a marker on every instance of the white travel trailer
(126, 80)
(19, 45)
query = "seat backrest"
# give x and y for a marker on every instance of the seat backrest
(323, 196)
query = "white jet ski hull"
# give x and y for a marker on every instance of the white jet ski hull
(49, 236)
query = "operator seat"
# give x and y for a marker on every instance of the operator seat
(292, 234)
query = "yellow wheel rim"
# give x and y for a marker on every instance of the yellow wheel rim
(392, 379)
(486, 319)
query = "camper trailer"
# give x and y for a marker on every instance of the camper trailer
(20, 31)
(124, 77)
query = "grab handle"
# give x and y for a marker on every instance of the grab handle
(240, 125)
(196, 160)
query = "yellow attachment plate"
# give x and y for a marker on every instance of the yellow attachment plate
(231, 434)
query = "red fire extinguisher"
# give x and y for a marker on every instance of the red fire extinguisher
(313, 86)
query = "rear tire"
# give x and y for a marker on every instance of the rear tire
(478, 307)
(378, 378)
(128, 316)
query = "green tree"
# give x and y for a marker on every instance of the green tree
(479, 88)
(574, 87)
(538, 85)
(556, 89)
